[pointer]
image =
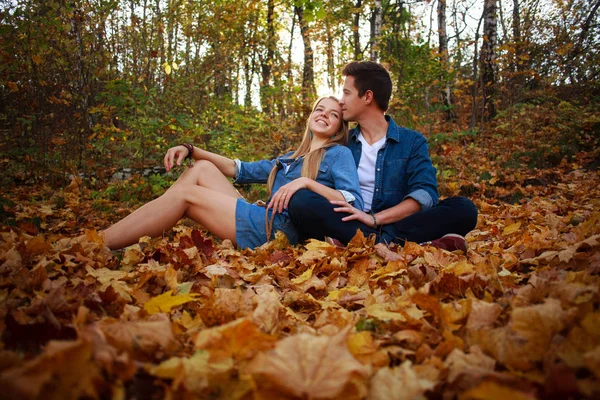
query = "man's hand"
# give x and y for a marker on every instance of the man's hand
(281, 198)
(355, 213)
(174, 154)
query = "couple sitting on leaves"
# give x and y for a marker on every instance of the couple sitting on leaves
(377, 178)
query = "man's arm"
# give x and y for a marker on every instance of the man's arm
(388, 216)
(422, 191)
(400, 211)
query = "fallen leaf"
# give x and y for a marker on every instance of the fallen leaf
(310, 366)
(165, 302)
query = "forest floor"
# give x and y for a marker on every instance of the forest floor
(188, 316)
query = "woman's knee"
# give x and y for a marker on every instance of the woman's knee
(204, 166)
(180, 193)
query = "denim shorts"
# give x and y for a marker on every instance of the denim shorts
(250, 225)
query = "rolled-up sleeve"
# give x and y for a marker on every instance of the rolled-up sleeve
(345, 177)
(422, 184)
(253, 172)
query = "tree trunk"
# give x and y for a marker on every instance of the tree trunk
(445, 60)
(375, 30)
(516, 30)
(82, 86)
(475, 78)
(355, 31)
(488, 58)
(289, 68)
(308, 73)
(267, 61)
(331, 73)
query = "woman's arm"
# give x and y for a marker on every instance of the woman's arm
(345, 181)
(178, 153)
(281, 198)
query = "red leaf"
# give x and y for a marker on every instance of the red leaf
(203, 244)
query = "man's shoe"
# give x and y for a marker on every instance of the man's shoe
(449, 242)
(333, 241)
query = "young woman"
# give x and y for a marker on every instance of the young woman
(203, 192)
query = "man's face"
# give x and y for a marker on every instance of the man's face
(352, 105)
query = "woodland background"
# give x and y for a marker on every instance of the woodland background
(507, 93)
(92, 86)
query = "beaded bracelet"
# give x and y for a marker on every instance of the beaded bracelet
(190, 149)
(374, 220)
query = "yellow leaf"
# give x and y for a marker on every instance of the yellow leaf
(304, 277)
(511, 228)
(379, 311)
(494, 391)
(335, 295)
(361, 343)
(36, 59)
(166, 301)
(167, 68)
(195, 373)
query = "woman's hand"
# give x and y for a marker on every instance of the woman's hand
(175, 154)
(355, 213)
(281, 198)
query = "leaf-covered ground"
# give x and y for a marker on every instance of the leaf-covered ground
(186, 316)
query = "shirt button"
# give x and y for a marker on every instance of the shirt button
(378, 169)
(377, 190)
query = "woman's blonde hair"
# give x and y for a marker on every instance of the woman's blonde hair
(312, 159)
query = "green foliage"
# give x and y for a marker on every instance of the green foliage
(132, 191)
(367, 324)
(438, 139)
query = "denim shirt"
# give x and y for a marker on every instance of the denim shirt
(337, 171)
(403, 168)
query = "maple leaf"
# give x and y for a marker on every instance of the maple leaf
(473, 365)
(239, 339)
(489, 390)
(592, 361)
(482, 314)
(109, 278)
(65, 370)
(527, 336)
(196, 373)
(225, 305)
(142, 339)
(163, 303)
(205, 245)
(268, 308)
(399, 383)
(381, 312)
(310, 366)
(365, 349)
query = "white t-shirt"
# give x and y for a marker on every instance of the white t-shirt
(366, 169)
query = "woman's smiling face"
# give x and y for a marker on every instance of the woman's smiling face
(326, 119)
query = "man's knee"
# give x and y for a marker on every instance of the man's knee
(301, 201)
(463, 208)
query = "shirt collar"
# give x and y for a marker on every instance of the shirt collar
(392, 131)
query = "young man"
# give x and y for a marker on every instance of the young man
(396, 175)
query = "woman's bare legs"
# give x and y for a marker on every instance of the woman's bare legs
(201, 193)
(206, 174)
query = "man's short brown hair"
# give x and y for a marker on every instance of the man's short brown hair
(369, 75)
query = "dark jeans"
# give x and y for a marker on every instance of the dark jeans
(314, 217)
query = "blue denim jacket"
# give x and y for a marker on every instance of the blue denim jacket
(403, 168)
(337, 171)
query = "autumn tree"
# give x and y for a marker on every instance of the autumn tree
(446, 91)
(308, 72)
(488, 58)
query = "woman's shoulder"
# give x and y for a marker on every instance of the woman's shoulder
(338, 150)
